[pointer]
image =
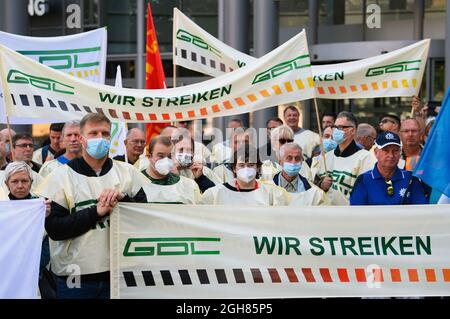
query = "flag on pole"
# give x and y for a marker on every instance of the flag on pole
(118, 129)
(154, 72)
(433, 166)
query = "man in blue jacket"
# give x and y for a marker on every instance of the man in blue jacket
(386, 184)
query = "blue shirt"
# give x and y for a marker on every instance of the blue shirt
(370, 189)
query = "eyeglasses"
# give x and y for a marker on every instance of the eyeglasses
(341, 127)
(384, 121)
(24, 145)
(285, 140)
(389, 188)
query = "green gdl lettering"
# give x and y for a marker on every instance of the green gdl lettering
(169, 246)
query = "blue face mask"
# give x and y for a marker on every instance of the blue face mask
(97, 147)
(329, 144)
(292, 169)
(338, 136)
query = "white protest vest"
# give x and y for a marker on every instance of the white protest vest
(185, 191)
(267, 195)
(75, 192)
(345, 170)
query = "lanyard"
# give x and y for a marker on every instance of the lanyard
(238, 188)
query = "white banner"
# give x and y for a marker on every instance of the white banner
(34, 90)
(173, 251)
(21, 234)
(81, 55)
(397, 73)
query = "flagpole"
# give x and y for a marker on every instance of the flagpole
(174, 83)
(10, 137)
(322, 148)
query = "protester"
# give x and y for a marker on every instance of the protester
(244, 189)
(165, 187)
(23, 150)
(308, 140)
(3, 152)
(239, 137)
(70, 139)
(186, 165)
(84, 193)
(266, 151)
(411, 136)
(365, 136)
(389, 122)
(347, 161)
(386, 184)
(291, 161)
(328, 120)
(47, 152)
(134, 146)
(281, 135)
(8, 134)
(221, 152)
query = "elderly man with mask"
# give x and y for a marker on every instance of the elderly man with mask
(280, 135)
(347, 161)
(72, 144)
(386, 184)
(164, 186)
(186, 165)
(304, 192)
(84, 193)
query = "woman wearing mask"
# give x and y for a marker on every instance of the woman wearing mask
(165, 186)
(245, 189)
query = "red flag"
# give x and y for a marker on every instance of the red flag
(154, 72)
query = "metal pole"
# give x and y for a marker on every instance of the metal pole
(15, 20)
(219, 122)
(265, 39)
(236, 33)
(140, 57)
(419, 12)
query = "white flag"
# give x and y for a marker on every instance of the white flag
(82, 55)
(118, 129)
(21, 234)
(397, 73)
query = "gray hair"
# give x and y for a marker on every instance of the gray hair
(365, 129)
(15, 167)
(289, 146)
(70, 124)
(282, 131)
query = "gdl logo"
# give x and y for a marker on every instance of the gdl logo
(170, 246)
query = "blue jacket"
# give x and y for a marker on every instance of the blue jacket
(371, 189)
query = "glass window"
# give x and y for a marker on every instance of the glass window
(121, 22)
(91, 10)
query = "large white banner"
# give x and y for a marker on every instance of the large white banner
(35, 90)
(21, 234)
(173, 251)
(81, 55)
(397, 73)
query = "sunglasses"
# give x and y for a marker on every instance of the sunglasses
(285, 140)
(384, 121)
(389, 188)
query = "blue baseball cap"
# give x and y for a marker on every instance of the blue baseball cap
(387, 138)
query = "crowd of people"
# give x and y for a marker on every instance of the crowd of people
(350, 164)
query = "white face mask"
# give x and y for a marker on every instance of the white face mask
(185, 159)
(246, 174)
(164, 166)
